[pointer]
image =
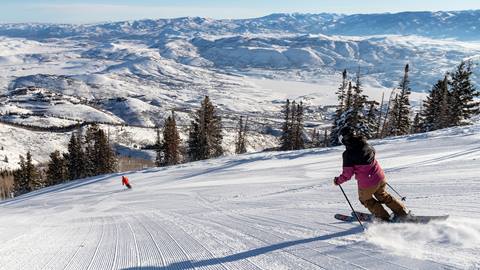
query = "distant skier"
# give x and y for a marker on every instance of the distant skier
(126, 182)
(359, 160)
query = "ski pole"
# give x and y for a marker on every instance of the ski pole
(403, 198)
(351, 207)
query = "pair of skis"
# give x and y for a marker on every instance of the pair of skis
(366, 217)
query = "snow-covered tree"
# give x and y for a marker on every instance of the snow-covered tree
(399, 116)
(354, 113)
(355, 117)
(372, 118)
(344, 97)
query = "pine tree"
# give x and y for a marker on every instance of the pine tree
(317, 140)
(76, 158)
(392, 117)
(344, 103)
(292, 120)
(341, 95)
(463, 93)
(286, 139)
(21, 184)
(57, 169)
(240, 142)
(26, 178)
(431, 111)
(205, 136)
(349, 97)
(171, 143)
(349, 116)
(299, 142)
(380, 117)
(245, 134)
(355, 117)
(402, 122)
(87, 143)
(313, 138)
(325, 138)
(384, 125)
(372, 118)
(445, 109)
(32, 174)
(194, 144)
(158, 149)
(417, 123)
(436, 113)
(341, 122)
(104, 159)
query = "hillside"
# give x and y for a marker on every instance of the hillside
(269, 210)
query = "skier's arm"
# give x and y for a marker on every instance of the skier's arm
(348, 170)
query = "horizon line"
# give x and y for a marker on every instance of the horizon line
(346, 14)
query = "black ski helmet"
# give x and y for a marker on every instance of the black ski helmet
(347, 131)
(345, 134)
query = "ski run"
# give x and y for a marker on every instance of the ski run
(272, 210)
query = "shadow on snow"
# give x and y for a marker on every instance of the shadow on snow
(191, 264)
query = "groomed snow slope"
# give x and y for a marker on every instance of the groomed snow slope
(257, 211)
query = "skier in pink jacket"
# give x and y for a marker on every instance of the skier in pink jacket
(359, 160)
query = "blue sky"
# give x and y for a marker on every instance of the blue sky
(74, 11)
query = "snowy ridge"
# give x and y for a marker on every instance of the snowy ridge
(269, 210)
(461, 25)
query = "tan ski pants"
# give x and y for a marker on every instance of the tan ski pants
(381, 197)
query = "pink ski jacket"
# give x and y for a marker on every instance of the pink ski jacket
(359, 160)
(367, 175)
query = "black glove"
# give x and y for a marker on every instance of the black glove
(335, 179)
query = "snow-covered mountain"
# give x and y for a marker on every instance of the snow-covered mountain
(270, 210)
(461, 25)
(325, 43)
(137, 72)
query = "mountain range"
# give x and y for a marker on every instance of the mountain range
(136, 72)
(461, 25)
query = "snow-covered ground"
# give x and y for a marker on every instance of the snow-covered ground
(270, 210)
